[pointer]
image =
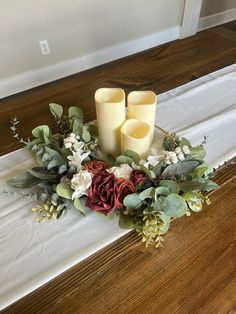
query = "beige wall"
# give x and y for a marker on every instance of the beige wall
(210, 7)
(75, 28)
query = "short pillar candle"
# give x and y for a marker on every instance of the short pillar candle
(142, 106)
(110, 110)
(135, 136)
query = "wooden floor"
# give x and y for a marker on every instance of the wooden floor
(195, 271)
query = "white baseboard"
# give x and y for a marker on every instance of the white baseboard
(216, 19)
(30, 79)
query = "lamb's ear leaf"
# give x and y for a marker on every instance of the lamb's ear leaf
(24, 180)
(40, 173)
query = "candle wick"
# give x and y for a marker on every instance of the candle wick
(158, 127)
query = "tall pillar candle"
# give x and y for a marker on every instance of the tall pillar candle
(110, 110)
(142, 106)
(135, 136)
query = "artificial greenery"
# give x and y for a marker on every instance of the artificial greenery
(173, 185)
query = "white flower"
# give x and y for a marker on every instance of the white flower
(174, 159)
(178, 150)
(171, 157)
(72, 142)
(181, 156)
(186, 150)
(123, 171)
(81, 183)
(77, 159)
(170, 154)
(151, 161)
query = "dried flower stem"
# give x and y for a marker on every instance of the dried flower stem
(158, 127)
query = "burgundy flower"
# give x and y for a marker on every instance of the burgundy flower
(95, 166)
(103, 193)
(125, 187)
(138, 177)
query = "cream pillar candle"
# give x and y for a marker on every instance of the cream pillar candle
(135, 136)
(110, 110)
(142, 106)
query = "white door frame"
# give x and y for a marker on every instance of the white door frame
(191, 14)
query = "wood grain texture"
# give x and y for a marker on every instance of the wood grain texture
(159, 69)
(195, 271)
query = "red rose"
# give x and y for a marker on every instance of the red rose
(103, 193)
(138, 177)
(95, 166)
(125, 187)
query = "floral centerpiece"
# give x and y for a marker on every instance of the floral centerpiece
(147, 195)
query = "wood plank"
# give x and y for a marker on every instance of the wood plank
(195, 271)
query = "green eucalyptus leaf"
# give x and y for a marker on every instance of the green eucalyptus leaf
(164, 227)
(53, 163)
(79, 206)
(164, 217)
(75, 112)
(146, 171)
(132, 201)
(181, 168)
(56, 110)
(40, 173)
(199, 171)
(126, 222)
(77, 126)
(200, 184)
(148, 193)
(171, 185)
(158, 168)
(62, 169)
(93, 130)
(132, 155)
(157, 205)
(162, 190)
(198, 152)
(64, 190)
(41, 131)
(24, 180)
(124, 160)
(86, 135)
(174, 205)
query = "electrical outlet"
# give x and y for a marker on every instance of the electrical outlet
(44, 47)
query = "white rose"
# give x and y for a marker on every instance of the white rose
(123, 171)
(81, 183)
(186, 150)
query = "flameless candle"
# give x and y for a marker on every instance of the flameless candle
(110, 110)
(135, 136)
(142, 106)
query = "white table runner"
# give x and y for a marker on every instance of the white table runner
(31, 254)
